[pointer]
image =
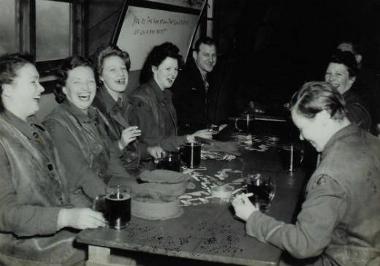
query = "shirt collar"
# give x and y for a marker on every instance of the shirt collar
(344, 132)
(79, 114)
(109, 103)
(160, 94)
(25, 127)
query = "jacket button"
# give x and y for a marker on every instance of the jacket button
(50, 167)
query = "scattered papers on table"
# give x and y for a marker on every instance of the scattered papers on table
(217, 155)
(256, 143)
(206, 183)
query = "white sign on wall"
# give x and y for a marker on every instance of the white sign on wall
(143, 28)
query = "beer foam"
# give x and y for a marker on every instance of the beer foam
(113, 196)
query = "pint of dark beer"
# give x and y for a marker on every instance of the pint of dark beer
(191, 154)
(171, 162)
(245, 123)
(118, 208)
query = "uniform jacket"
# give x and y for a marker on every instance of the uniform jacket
(33, 190)
(340, 218)
(86, 150)
(153, 111)
(117, 115)
(195, 107)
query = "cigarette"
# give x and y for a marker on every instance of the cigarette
(236, 190)
(248, 195)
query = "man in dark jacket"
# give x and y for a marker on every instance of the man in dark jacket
(195, 95)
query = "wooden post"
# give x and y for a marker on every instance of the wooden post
(101, 256)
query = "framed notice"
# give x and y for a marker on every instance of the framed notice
(145, 24)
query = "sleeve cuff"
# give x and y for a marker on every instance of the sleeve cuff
(262, 226)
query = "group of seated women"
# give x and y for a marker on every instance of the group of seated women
(96, 136)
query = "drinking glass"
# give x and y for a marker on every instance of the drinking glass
(244, 123)
(214, 129)
(171, 161)
(263, 190)
(118, 206)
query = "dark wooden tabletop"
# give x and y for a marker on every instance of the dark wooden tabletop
(210, 232)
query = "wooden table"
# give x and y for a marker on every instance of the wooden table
(207, 232)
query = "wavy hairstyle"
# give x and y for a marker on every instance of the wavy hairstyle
(158, 54)
(347, 59)
(108, 51)
(63, 72)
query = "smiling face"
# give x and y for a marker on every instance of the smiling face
(22, 96)
(80, 87)
(166, 73)
(205, 58)
(114, 75)
(337, 75)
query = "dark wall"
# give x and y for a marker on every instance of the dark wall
(102, 19)
(269, 48)
(278, 45)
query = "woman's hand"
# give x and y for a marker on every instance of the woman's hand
(156, 152)
(128, 135)
(203, 133)
(243, 207)
(80, 218)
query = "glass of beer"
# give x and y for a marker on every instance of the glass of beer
(191, 154)
(244, 123)
(214, 129)
(263, 190)
(118, 206)
(171, 161)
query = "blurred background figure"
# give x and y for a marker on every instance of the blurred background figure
(366, 83)
(153, 111)
(349, 46)
(36, 213)
(341, 73)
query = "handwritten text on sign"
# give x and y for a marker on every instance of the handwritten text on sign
(155, 21)
(144, 28)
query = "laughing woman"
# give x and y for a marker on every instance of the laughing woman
(79, 130)
(112, 65)
(35, 208)
(153, 109)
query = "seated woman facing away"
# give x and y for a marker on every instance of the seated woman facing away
(35, 207)
(112, 65)
(79, 131)
(339, 222)
(152, 107)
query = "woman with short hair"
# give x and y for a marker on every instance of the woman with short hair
(339, 220)
(112, 65)
(341, 73)
(36, 213)
(152, 107)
